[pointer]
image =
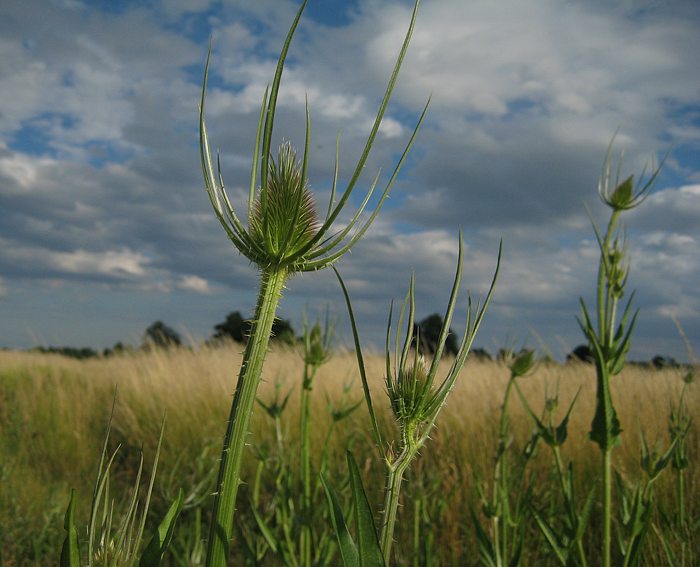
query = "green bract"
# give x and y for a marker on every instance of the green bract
(416, 398)
(623, 195)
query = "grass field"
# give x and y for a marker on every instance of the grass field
(53, 414)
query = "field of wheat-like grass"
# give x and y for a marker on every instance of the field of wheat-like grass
(53, 414)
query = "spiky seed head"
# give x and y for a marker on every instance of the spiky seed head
(411, 393)
(283, 219)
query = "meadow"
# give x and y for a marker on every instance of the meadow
(333, 458)
(54, 411)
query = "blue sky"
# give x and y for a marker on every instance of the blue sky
(105, 226)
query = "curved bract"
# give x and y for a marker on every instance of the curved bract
(299, 243)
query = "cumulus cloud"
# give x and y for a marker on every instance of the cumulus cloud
(195, 284)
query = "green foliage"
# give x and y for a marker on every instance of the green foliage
(367, 552)
(70, 554)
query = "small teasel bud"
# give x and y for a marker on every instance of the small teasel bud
(689, 377)
(522, 363)
(624, 195)
(318, 342)
(410, 393)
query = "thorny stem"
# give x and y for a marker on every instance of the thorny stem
(392, 494)
(605, 326)
(607, 303)
(221, 529)
(607, 505)
(500, 488)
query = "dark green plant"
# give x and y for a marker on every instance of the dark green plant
(609, 334)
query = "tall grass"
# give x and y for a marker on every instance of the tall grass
(50, 443)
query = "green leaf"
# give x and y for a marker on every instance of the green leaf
(153, 554)
(361, 364)
(368, 541)
(585, 514)
(348, 549)
(605, 428)
(70, 554)
(560, 550)
(487, 553)
(270, 538)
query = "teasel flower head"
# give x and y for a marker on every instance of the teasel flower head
(623, 195)
(284, 230)
(318, 341)
(416, 392)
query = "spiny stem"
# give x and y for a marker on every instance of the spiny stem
(607, 505)
(270, 293)
(392, 494)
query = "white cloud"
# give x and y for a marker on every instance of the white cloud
(21, 170)
(116, 263)
(195, 284)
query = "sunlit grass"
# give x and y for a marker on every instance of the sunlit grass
(53, 414)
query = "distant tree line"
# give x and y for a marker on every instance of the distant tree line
(236, 328)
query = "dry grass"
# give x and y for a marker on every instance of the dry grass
(53, 412)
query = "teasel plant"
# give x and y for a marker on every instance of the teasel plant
(416, 396)
(609, 330)
(507, 493)
(283, 236)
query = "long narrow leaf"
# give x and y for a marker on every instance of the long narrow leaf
(348, 549)
(153, 554)
(70, 554)
(367, 539)
(361, 365)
